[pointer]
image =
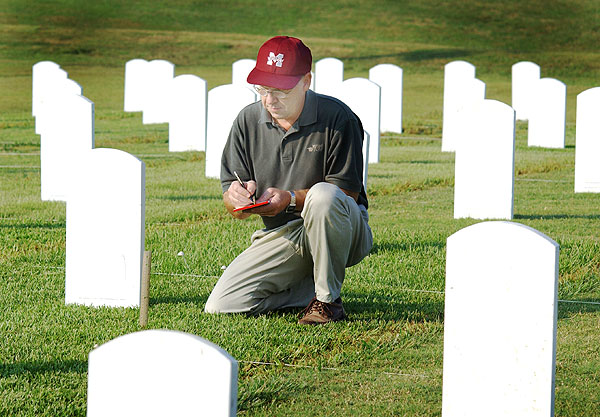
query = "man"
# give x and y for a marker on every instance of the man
(302, 153)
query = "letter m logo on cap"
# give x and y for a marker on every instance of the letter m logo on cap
(278, 60)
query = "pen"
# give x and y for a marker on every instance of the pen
(253, 196)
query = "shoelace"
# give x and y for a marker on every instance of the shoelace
(318, 306)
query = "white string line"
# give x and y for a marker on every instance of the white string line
(160, 155)
(22, 219)
(425, 291)
(168, 156)
(400, 289)
(185, 275)
(39, 167)
(398, 137)
(12, 143)
(152, 273)
(579, 302)
(49, 267)
(147, 155)
(443, 293)
(329, 368)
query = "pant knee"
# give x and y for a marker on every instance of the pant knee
(230, 302)
(212, 307)
(219, 303)
(322, 196)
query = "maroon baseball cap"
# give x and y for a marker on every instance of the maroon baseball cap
(281, 62)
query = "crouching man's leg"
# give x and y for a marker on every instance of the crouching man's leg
(269, 275)
(337, 235)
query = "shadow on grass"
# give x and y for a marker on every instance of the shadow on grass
(383, 247)
(556, 216)
(199, 300)
(570, 308)
(20, 368)
(397, 308)
(394, 308)
(53, 225)
(377, 307)
(383, 308)
(416, 162)
(427, 162)
(418, 55)
(188, 197)
(259, 390)
(19, 170)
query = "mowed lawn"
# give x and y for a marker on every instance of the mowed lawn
(387, 358)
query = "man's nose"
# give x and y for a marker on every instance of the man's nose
(270, 97)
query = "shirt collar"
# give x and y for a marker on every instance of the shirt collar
(309, 112)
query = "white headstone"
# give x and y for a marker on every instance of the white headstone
(389, 78)
(105, 230)
(240, 70)
(364, 98)
(224, 104)
(72, 87)
(161, 373)
(45, 75)
(460, 91)
(524, 75)
(587, 145)
(68, 134)
(160, 74)
(459, 121)
(547, 117)
(187, 120)
(60, 88)
(329, 74)
(136, 83)
(500, 322)
(484, 164)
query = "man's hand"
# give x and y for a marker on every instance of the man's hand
(278, 201)
(237, 196)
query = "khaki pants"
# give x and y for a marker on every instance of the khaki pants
(287, 266)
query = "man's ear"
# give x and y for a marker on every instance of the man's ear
(306, 81)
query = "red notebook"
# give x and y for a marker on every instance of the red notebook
(262, 203)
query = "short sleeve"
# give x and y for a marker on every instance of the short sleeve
(234, 157)
(344, 158)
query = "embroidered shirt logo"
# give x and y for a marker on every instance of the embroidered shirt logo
(315, 148)
(277, 59)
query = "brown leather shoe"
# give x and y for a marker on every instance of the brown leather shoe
(318, 312)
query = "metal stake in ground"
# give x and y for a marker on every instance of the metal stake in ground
(145, 290)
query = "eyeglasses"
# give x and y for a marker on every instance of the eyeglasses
(274, 92)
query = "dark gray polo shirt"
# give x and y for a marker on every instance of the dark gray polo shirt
(324, 144)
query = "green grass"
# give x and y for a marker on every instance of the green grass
(387, 359)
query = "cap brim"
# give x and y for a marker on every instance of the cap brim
(269, 79)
